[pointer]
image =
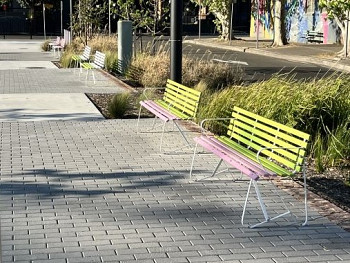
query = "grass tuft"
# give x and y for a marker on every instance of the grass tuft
(119, 104)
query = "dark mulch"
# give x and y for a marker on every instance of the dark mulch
(330, 185)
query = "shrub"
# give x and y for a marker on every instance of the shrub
(111, 59)
(156, 69)
(45, 45)
(66, 58)
(318, 107)
(119, 104)
(214, 75)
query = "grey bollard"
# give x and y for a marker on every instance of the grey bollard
(125, 40)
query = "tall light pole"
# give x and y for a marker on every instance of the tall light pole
(61, 18)
(71, 20)
(176, 40)
(109, 17)
(44, 20)
(257, 22)
(347, 36)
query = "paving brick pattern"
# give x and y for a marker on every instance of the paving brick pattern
(99, 192)
(53, 81)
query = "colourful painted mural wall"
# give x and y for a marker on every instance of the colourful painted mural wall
(301, 16)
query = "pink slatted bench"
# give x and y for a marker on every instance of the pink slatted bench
(258, 148)
(179, 103)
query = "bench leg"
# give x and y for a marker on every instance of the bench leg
(261, 202)
(305, 196)
(262, 205)
(93, 76)
(216, 168)
(192, 163)
(182, 134)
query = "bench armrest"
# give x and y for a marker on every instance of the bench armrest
(203, 130)
(155, 88)
(273, 148)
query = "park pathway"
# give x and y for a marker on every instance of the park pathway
(77, 188)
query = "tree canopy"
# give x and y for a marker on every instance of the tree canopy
(339, 11)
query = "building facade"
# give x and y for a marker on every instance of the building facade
(301, 16)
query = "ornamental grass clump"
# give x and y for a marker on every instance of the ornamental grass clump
(119, 104)
(318, 107)
(156, 71)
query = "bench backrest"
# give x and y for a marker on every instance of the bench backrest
(57, 41)
(87, 52)
(182, 98)
(99, 59)
(256, 132)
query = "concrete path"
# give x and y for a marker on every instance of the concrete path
(32, 88)
(97, 191)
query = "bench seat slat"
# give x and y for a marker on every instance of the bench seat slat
(235, 161)
(217, 142)
(176, 112)
(160, 112)
(266, 163)
(258, 147)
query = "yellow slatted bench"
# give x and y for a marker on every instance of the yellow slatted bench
(178, 103)
(98, 63)
(77, 59)
(258, 148)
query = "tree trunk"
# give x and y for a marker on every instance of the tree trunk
(225, 24)
(345, 36)
(279, 25)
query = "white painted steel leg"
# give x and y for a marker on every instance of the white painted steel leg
(305, 197)
(93, 76)
(182, 134)
(245, 202)
(192, 163)
(161, 139)
(216, 168)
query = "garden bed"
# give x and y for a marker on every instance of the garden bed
(330, 185)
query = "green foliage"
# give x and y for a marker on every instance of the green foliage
(336, 8)
(66, 59)
(319, 107)
(45, 45)
(119, 104)
(87, 18)
(149, 15)
(110, 60)
(222, 10)
(156, 71)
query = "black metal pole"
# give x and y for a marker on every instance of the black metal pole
(176, 40)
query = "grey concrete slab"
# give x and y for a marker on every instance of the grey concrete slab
(20, 46)
(54, 80)
(39, 107)
(98, 191)
(6, 65)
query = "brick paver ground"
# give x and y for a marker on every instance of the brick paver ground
(96, 191)
(99, 192)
